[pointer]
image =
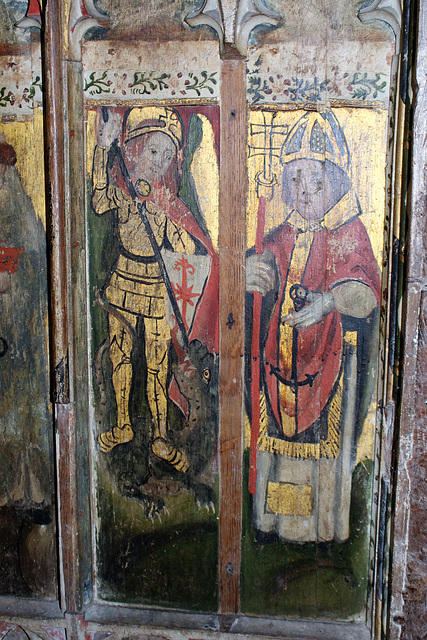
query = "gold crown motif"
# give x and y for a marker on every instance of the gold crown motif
(317, 136)
(142, 120)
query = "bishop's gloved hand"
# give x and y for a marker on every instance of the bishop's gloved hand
(317, 306)
(261, 273)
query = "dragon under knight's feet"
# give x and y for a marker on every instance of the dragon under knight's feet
(170, 454)
(119, 435)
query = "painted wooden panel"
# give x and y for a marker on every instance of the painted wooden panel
(27, 499)
(315, 232)
(153, 229)
(142, 254)
(318, 232)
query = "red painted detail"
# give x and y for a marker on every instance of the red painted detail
(56, 633)
(84, 13)
(5, 627)
(83, 9)
(33, 9)
(9, 258)
(182, 291)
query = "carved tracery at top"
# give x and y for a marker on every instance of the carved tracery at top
(388, 11)
(233, 21)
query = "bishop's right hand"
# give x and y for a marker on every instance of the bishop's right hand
(261, 273)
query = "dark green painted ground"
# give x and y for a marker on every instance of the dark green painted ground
(310, 580)
(170, 562)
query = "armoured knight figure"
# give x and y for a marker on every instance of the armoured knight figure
(151, 139)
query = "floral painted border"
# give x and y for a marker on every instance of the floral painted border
(278, 88)
(262, 88)
(138, 85)
(20, 100)
(20, 85)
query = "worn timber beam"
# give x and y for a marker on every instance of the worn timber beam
(59, 322)
(408, 615)
(232, 243)
(79, 349)
(54, 139)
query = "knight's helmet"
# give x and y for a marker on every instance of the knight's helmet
(317, 136)
(142, 120)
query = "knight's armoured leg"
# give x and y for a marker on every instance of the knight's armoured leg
(157, 335)
(121, 343)
(156, 344)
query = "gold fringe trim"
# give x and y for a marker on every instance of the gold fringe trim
(328, 448)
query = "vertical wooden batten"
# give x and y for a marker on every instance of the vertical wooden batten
(79, 353)
(232, 243)
(55, 141)
(408, 613)
(69, 557)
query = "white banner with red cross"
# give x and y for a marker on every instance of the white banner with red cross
(188, 275)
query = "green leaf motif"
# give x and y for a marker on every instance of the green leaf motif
(199, 85)
(147, 83)
(257, 88)
(6, 98)
(298, 90)
(28, 94)
(97, 85)
(361, 86)
(304, 90)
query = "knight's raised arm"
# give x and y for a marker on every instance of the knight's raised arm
(104, 196)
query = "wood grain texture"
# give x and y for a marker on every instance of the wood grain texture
(57, 178)
(232, 242)
(79, 365)
(54, 139)
(408, 617)
(68, 508)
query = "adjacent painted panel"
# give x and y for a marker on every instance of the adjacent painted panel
(20, 67)
(315, 236)
(153, 230)
(27, 499)
(11, 13)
